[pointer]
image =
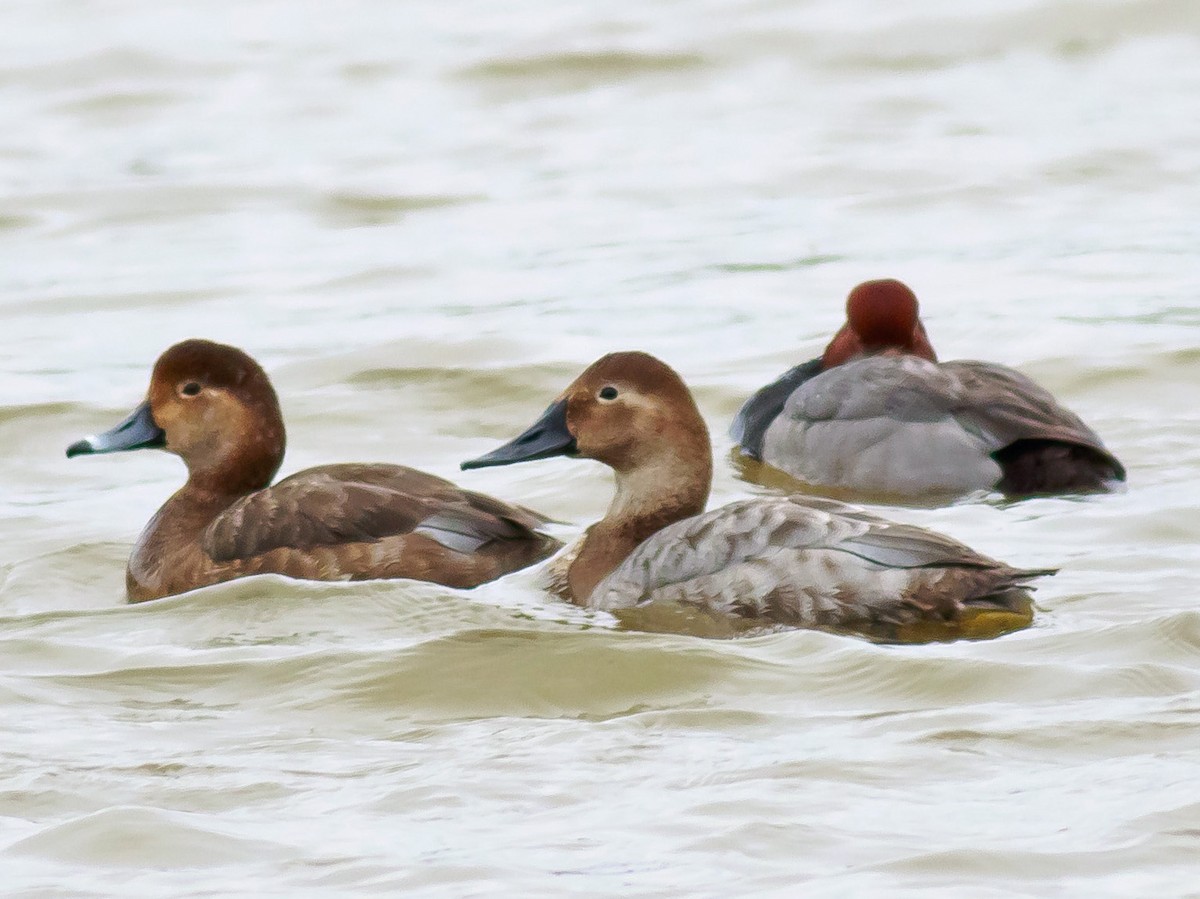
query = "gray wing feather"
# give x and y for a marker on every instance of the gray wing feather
(998, 403)
(793, 559)
(892, 387)
(708, 544)
(1010, 406)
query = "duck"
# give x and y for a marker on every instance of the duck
(877, 413)
(214, 407)
(791, 560)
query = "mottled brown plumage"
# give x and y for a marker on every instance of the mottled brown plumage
(793, 560)
(214, 407)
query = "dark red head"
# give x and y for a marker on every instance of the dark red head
(881, 317)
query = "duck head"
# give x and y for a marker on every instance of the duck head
(214, 407)
(882, 317)
(633, 413)
(628, 410)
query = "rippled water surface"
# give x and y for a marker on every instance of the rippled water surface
(425, 218)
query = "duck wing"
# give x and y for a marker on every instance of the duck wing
(1040, 444)
(901, 424)
(810, 562)
(341, 504)
(764, 406)
(881, 424)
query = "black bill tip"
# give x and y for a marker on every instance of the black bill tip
(545, 438)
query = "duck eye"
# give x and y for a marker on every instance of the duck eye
(608, 393)
(191, 388)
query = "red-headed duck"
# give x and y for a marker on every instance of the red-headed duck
(214, 407)
(877, 413)
(792, 560)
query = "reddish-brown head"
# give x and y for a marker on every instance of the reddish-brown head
(881, 317)
(211, 405)
(219, 413)
(632, 412)
(627, 410)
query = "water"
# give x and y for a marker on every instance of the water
(425, 219)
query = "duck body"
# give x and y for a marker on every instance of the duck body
(814, 563)
(883, 419)
(214, 406)
(790, 560)
(344, 522)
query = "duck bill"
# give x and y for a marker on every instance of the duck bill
(138, 431)
(547, 437)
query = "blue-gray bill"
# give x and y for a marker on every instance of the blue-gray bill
(138, 431)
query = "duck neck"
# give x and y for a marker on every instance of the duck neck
(188, 512)
(209, 491)
(225, 483)
(168, 537)
(231, 468)
(649, 497)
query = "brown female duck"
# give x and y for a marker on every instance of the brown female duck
(790, 560)
(214, 407)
